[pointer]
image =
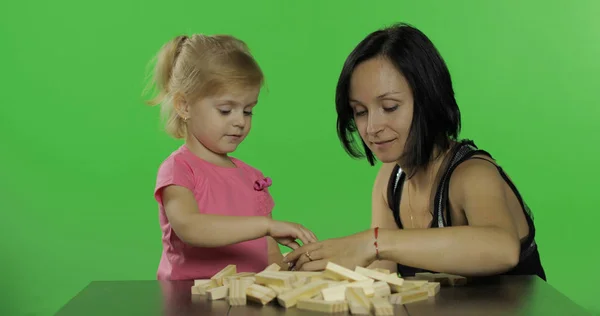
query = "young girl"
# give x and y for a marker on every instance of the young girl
(214, 209)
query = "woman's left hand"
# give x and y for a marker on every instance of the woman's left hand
(351, 251)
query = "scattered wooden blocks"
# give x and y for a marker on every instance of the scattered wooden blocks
(260, 294)
(315, 305)
(382, 289)
(358, 302)
(334, 290)
(227, 271)
(237, 293)
(382, 306)
(336, 272)
(409, 296)
(386, 271)
(218, 293)
(376, 275)
(442, 278)
(291, 298)
(273, 267)
(201, 286)
(433, 288)
(283, 280)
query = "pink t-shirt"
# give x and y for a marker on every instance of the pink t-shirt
(240, 191)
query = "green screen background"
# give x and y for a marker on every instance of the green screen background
(80, 150)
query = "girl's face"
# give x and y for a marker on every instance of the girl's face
(221, 122)
(382, 103)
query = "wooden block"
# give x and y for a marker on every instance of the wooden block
(300, 274)
(246, 276)
(318, 297)
(227, 271)
(314, 305)
(382, 289)
(316, 278)
(291, 298)
(386, 271)
(381, 306)
(338, 273)
(273, 267)
(433, 277)
(279, 290)
(367, 287)
(417, 283)
(455, 280)
(392, 280)
(409, 297)
(433, 288)
(299, 282)
(204, 281)
(335, 292)
(275, 278)
(237, 293)
(409, 285)
(358, 302)
(260, 294)
(218, 293)
(201, 286)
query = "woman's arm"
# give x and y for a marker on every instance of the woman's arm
(383, 217)
(489, 245)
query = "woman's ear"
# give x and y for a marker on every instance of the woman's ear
(181, 106)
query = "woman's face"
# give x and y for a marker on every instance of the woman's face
(382, 103)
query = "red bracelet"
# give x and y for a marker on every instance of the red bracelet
(376, 244)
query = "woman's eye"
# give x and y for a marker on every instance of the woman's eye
(360, 113)
(390, 109)
(225, 111)
(248, 113)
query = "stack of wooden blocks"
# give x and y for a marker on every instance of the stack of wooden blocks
(334, 290)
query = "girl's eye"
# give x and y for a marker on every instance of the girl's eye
(248, 113)
(225, 111)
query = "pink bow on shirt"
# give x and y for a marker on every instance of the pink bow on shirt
(262, 184)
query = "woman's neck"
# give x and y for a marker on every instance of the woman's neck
(426, 177)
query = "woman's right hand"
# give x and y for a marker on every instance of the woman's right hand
(286, 233)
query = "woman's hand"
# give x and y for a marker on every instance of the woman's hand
(351, 251)
(287, 233)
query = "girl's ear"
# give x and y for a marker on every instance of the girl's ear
(181, 106)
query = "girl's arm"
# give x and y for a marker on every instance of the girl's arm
(490, 243)
(275, 255)
(207, 230)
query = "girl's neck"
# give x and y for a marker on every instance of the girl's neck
(198, 149)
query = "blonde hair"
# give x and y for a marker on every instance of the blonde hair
(200, 66)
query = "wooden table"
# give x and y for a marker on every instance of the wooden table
(503, 296)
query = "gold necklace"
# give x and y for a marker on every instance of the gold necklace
(412, 222)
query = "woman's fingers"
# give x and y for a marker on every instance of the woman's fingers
(317, 265)
(296, 253)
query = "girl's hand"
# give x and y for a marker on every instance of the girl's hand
(286, 233)
(354, 250)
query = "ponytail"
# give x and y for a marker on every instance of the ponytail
(163, 69)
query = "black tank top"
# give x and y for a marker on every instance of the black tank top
(529, 262)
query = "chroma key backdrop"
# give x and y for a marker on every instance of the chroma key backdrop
(80, 149)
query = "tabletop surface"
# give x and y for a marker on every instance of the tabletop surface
(508, 295)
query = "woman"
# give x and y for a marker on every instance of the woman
(439, 204)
